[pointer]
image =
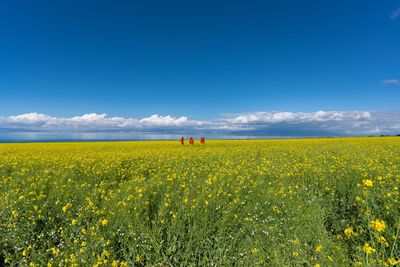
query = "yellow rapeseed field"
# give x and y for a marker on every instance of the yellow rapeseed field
(305, 202)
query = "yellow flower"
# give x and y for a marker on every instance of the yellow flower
(83, 231)
(139, 258)
(254, 250)
(317, 265)
(25, 251)
(104, 222)
(73, 222)
(138, 189)
(106, 253)
(368, 183)
(349, 232)
(55, 250)
(14, 213)
(392, 262)
(382, 240)
(378, 225)
(368, 249)
(66, 207)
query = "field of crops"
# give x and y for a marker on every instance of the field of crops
(306, 202)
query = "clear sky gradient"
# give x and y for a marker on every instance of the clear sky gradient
(198, 59)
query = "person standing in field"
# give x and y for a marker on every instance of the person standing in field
(202, 140)
(182, 140)
(191, 141)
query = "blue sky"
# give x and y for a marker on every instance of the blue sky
(198, 59)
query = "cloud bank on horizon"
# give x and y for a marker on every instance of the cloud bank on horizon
(279, 124)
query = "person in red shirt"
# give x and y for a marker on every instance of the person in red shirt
(191, 141)
(202, 140)
(182, 140)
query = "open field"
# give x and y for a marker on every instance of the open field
(306, 202)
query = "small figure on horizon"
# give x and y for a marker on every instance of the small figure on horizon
(182, 140)
(191, 141)
(203, 140)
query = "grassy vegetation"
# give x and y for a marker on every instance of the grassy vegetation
(310, 202)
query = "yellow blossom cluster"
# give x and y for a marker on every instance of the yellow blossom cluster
(283, 202)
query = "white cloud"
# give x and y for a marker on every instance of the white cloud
(156, 120)
(395, 14)
(319, 123)
(91, 117)
(88, 121)
(29, 118)
(392, 81)
(319, 116)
